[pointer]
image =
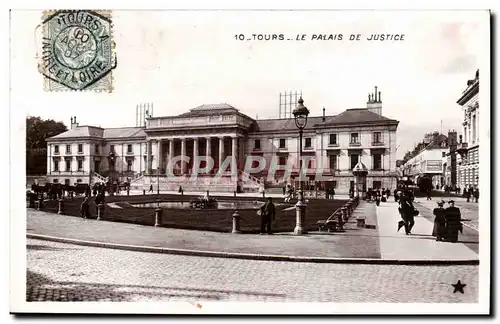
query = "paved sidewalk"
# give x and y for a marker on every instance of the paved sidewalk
(382, 243)
(420, 244)
(469, 210)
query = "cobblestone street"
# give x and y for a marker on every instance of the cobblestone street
(62, 272)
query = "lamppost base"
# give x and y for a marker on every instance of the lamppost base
(298, 230)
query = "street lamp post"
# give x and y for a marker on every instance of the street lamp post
(300, 114)
(158, 175)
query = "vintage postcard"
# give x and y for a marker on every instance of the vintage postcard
(199, 161)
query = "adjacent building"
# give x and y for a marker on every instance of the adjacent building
(332, 146)
(467, 150)
(428, 160)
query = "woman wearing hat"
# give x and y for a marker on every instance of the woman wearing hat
(439, 230)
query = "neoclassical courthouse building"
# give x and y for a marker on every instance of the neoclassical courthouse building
(332, 145)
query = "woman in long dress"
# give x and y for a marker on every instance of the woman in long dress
(439, 230)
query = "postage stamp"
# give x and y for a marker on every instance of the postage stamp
(77, 50)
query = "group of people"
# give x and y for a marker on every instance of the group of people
(447, 222)
(378, 195)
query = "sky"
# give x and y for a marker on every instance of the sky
(179, 60)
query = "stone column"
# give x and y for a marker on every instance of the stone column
(208, 151)
(170, 149)
(149, 158)
(234, 158)
(160, 155)
(221, 151)
(195, 163)
(183, 154)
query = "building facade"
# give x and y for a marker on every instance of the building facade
(429, 161)
(332, 146)
(467, 150)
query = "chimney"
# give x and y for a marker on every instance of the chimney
(323, 114)
(74, 124)
(374, 103)
(380, 96)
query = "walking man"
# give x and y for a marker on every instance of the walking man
(268, 214)
(407, 212)
(453, 222)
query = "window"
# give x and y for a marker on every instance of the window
(56, 180)
(377, 161)
(354, 160)
(333, 139)
(334, 184)
(56, 166)
(333, 162)
(129, 148)
(354, 138)
(443, 154)
(111, 148)
(282, 160)
(68, 148)
(80, 148)
(377, 137)
(129, 165)
(97, 149)
(257, 144)
(308, 142)
(80, 165)
(310, 164)
(68, 165)
(78, 180)
(56, 149)
(282, 142)
(377, 184)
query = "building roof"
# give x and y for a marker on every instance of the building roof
(124, 132)
(356, 116)
(98, 132)
(210, 109)
(348, 117)
(81, 131)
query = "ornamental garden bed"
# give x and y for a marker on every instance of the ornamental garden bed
(219, 220)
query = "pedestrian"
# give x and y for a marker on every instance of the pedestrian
(429, 194)
(268, 214)
(453, 222)
(439, 230)
(407, 212)
(377, 198)
(84, 208)
(284, 191)
(151, 188)
(476, 194)
(332, 193)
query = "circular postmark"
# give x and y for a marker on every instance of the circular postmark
(77, 47)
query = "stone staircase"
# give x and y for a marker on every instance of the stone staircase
(96, 177)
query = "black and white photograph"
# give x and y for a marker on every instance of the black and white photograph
(250, 161)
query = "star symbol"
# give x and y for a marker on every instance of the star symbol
(459, 287)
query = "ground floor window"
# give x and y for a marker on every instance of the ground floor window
(56, 180)
(377, 185)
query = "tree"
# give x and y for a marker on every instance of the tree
(37, 131)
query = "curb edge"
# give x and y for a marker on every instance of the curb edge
(245, 256)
